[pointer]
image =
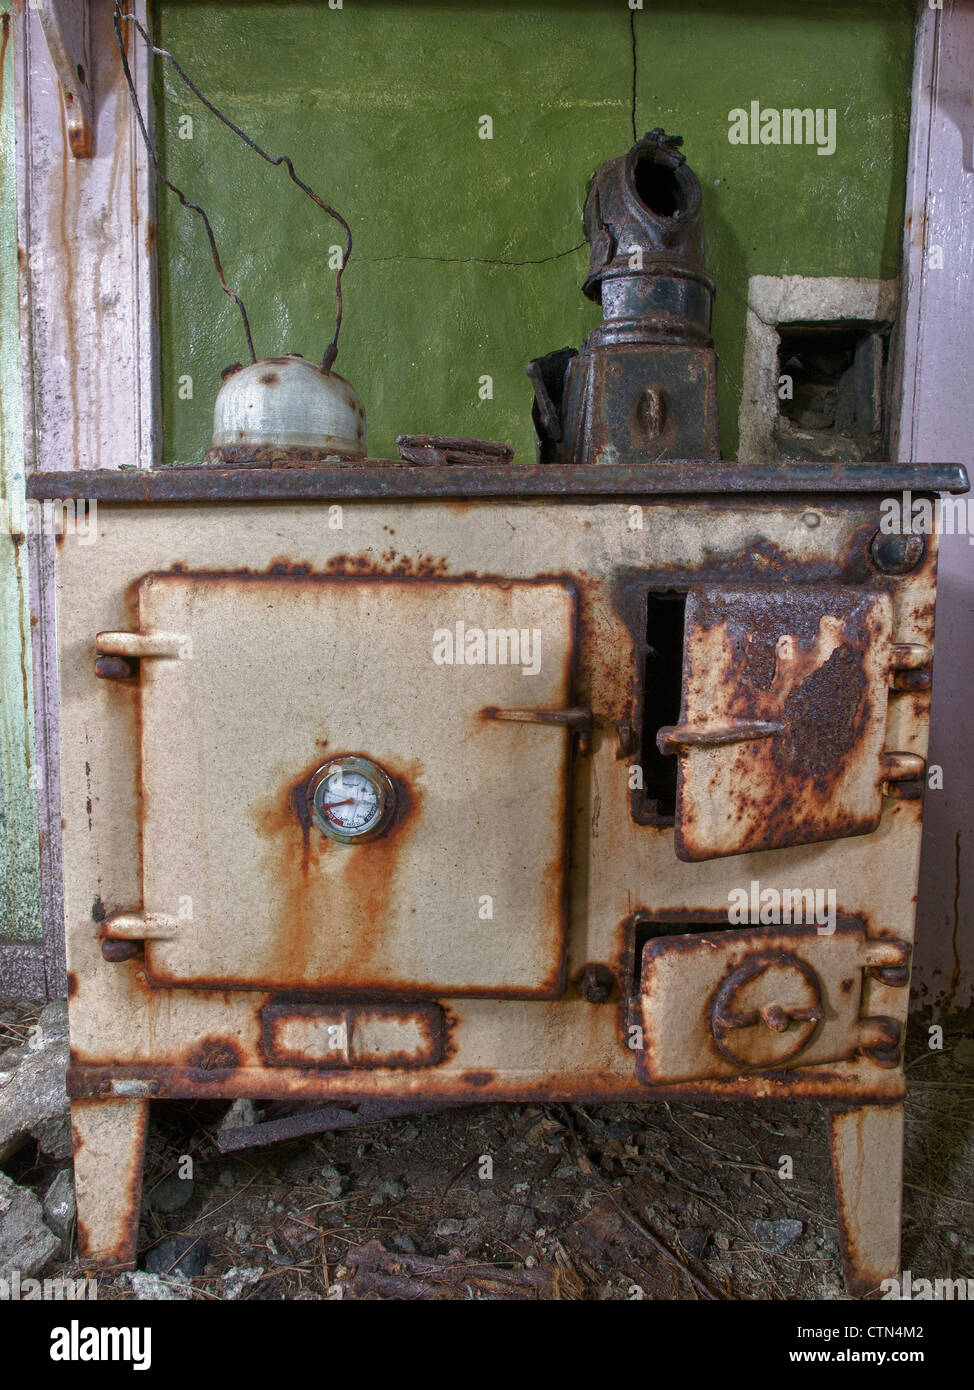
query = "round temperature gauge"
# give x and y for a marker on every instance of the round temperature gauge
(351, 799)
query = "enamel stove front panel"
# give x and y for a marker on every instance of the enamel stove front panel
(311, 855)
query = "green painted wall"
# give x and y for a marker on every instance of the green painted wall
(378, 104)
(19, 866)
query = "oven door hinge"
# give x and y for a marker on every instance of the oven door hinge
(119, 653)
(141, 926)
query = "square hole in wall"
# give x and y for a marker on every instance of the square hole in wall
(831, 390)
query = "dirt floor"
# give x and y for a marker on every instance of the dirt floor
(577, 1202)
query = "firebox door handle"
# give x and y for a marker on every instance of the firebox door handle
(675, 737)
(577, 719)
(140, 644)
(141, 926)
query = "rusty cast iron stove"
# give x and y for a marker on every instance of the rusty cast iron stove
(450, 779)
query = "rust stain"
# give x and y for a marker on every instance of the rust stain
(216, 1053)
(349, 902)
(172, 1080)
(427, 1019)
(798, 660)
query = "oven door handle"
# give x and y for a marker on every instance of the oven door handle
(577, 719)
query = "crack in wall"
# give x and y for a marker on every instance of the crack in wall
(473, 260)
(542, 260)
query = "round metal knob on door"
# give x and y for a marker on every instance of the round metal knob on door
(766, 1010)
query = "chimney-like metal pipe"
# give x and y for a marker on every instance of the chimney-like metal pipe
(643, 387)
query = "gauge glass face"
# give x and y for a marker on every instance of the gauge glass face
(351, 799)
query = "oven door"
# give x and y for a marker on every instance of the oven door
(250, 685)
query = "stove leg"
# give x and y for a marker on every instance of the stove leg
(109, 1147)
(867, 1166)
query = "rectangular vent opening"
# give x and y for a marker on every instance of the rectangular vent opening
(646, 930)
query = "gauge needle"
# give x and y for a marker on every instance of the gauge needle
(351, 801)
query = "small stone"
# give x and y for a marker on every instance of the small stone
(778, 1235)
(449, 1227)
(53, 1022)
(695, 1240)
(405, 1243)
(177, 1254)
(170, 1195)
(389, 1187)
(54, 1136)
(26, 1244)
(34, 1092)
(149, 1287)
(237, 1279)
(59, 1204)
(242, 1112)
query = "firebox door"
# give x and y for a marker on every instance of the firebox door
(783, 720)
(354, 784)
